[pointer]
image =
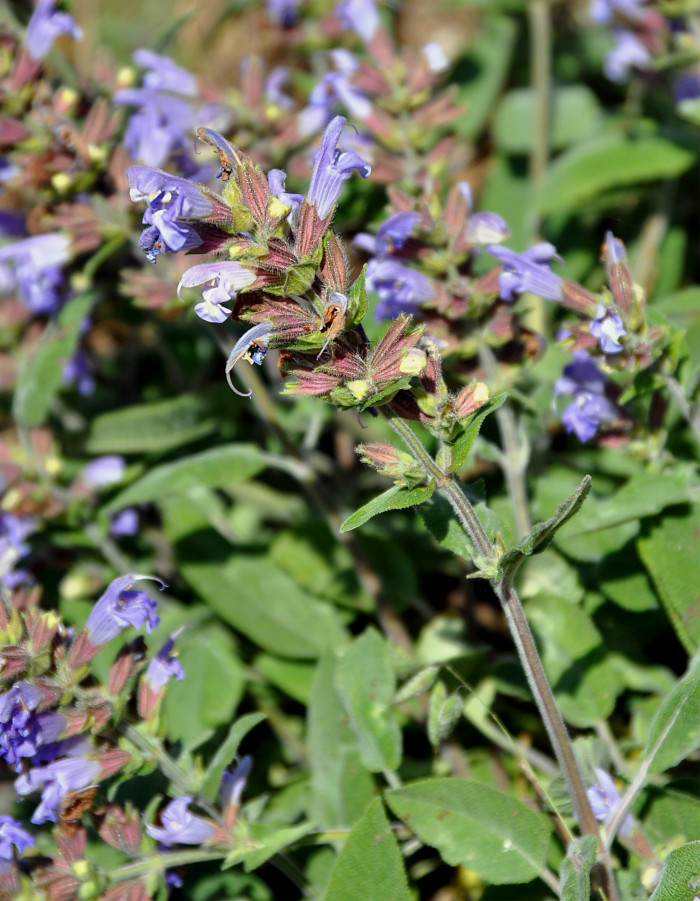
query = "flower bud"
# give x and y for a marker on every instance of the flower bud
(470, 399)
(413, 362)
(359, 388)
(13, 660)
(121, 828)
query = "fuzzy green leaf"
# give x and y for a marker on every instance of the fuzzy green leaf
(606, 162)
(667, 549)
(365, 682)
(40, 374)
(370, 866)
(475, 826)
(227, 751)
(463, 444)
(576, 867)
(395, 498)
(152, 427)
(680, 880)
(214, 468)
(542, 532)
(675, 730)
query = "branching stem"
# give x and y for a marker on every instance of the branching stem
(524, 643)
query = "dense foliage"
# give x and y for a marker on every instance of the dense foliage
(419, 584)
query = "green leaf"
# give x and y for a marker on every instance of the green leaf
(227, 751)
(667, 549)
(417, 684)
(365, 682)
(542, 532)
(357, 300)
(369, 866)
(675, 730)
(293, 677)
(268, 842)
(442, 522)
(643, 495)
(671, 817)
(395, 498)
(213, 686)
(463, 444)
(257, 598)
(482, 71)
(574, 115)
(475, 826)
(585, 679)
(575, 869)
(606, 162)
(444, 711)
(680, 880)
(217, 467)
(158, 426)
(341, 788)
(41, 373)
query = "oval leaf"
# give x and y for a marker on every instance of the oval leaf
(370, 866)
(475, 826)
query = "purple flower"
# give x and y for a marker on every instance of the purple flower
(396, 229)
(333, 88)
(103, 471)
(233, 782)
(527, 272)
(223, 280)
(251, 346)
(13, 531)
(12, 833)
(180, 826)
(164, 74)
(164, 666)
(687, 87)
(604, 799)
(400, 288)
(332, 167)
(628, 53)
(608, 328)
(45, 26)
(276, 179)
(274, 94)
(56, 780)
(170, 200)
(160, 127)
(119, 607)
(486, 228)
(78, 371)
(124, 523)
(360, 16)
(32, 266)
(590, 408)
(604, 11)
(283, 13)
(22, 730)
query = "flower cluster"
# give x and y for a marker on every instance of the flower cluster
(612, 327)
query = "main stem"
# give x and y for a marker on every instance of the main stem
(524, 644)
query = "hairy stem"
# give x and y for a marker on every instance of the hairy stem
(524, 643)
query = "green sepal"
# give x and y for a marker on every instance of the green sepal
(357, 300)
(506, 564)
(295, 281)
(394, 499)
(386, 394)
